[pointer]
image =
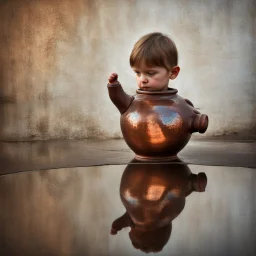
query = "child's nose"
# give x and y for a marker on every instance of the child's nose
(144, 79)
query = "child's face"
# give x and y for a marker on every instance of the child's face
(152, 78)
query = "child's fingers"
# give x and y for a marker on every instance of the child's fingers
(113, 232)
(113, 77)
(113, 74)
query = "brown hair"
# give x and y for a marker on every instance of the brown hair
(154, 49)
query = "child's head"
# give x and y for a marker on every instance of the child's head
(150, 240)
(151, 54)
(154, 49)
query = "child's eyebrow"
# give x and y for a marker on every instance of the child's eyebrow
(151, 70)
(145, 70)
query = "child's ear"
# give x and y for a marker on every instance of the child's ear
(174, 72)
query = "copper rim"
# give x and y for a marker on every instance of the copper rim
(170, 91)
(156, 158)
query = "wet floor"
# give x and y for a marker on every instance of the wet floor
(38, 155)
(170, 209)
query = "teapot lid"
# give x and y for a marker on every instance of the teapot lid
(170, 91)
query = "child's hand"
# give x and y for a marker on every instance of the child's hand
(112, 79)
(113, 231)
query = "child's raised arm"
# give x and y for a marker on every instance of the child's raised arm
(122, 222)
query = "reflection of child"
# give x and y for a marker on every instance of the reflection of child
(147, 240)
(154, 59)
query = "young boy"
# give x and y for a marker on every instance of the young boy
(156, 122)
(154, 59)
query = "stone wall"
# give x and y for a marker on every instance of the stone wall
(55, 57)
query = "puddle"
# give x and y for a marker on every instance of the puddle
(70, 211)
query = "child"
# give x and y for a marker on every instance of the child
(152, 240)
(154, 59)
(156, 122)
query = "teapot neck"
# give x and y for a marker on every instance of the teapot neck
(168, 92)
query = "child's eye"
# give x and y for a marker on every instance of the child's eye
(151, 73)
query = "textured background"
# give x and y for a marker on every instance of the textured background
(55, 57)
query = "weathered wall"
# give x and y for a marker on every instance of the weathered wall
(55, 57)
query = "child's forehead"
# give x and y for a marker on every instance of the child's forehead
(143, 66)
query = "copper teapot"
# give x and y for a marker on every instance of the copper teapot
(156, 125)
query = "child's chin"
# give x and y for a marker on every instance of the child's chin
(148, 89)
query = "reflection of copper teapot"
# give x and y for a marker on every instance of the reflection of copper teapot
(156, 124)
(154, 195)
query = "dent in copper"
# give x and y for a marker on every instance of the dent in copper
(154, 195)
(157, 125)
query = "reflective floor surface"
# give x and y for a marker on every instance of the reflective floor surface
(169, 209)
(35, 155)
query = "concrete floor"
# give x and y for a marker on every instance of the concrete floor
(237, 151)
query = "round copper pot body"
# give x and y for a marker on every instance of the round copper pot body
(157, 125)
(154, 194)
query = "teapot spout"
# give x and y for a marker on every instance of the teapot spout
(120, 99)
(200, 123)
